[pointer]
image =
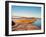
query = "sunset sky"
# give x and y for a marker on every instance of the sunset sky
(26, 11)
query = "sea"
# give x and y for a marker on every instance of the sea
(37, 23)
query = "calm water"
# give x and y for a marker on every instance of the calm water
(37, 23)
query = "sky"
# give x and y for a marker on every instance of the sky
(26, 11)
